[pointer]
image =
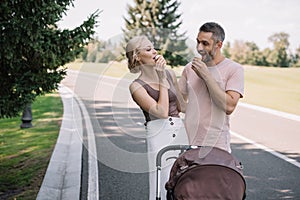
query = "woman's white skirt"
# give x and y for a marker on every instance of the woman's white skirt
(162, 133)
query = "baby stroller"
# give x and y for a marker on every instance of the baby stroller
(202, 173)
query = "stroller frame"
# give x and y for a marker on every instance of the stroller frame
(158, 163)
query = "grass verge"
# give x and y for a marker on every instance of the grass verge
(25, 153)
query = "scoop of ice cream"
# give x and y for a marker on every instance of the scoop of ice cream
(156, 57)
(199, 57)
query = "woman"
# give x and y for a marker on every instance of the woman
(156, 92)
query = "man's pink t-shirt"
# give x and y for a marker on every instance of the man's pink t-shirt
(206, 124)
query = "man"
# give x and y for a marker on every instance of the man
(212, 85)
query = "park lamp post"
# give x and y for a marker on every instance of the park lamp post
(26, 117)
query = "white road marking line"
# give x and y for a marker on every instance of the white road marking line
(273, 152)
(271, 111)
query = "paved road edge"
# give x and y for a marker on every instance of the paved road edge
(63, 176)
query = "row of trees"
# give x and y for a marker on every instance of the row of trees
(278, 56)
(160, 22)
(102, 51)
(246, 53)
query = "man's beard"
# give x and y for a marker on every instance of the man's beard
(208, 57)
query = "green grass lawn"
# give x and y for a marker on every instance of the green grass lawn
(25, 153)
(276, 88)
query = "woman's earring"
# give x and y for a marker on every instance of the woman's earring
(135, 57)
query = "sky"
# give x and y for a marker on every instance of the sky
(252, 21)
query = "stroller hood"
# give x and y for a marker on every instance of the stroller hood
(212, 172)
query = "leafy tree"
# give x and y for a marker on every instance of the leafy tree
(238, 51)
(296, 58)
(33, 50)
(160, 22)
(279, 55)
(140, 20)
(226, 50)
(172, 43)
(84, 54)
(101, 51)
(266, 57)
(107, 56)
(253, 55)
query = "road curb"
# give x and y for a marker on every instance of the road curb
(63, 176)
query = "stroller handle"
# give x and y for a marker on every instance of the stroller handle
(172, 148)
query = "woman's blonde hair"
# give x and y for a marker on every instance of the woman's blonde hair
(132, 51)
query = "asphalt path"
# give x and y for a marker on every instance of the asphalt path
(266, 143)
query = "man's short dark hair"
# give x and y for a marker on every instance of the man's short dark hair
(216, 29)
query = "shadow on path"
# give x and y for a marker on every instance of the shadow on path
(267, 176)
(121, 150)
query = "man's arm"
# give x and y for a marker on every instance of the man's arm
(224, 100)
